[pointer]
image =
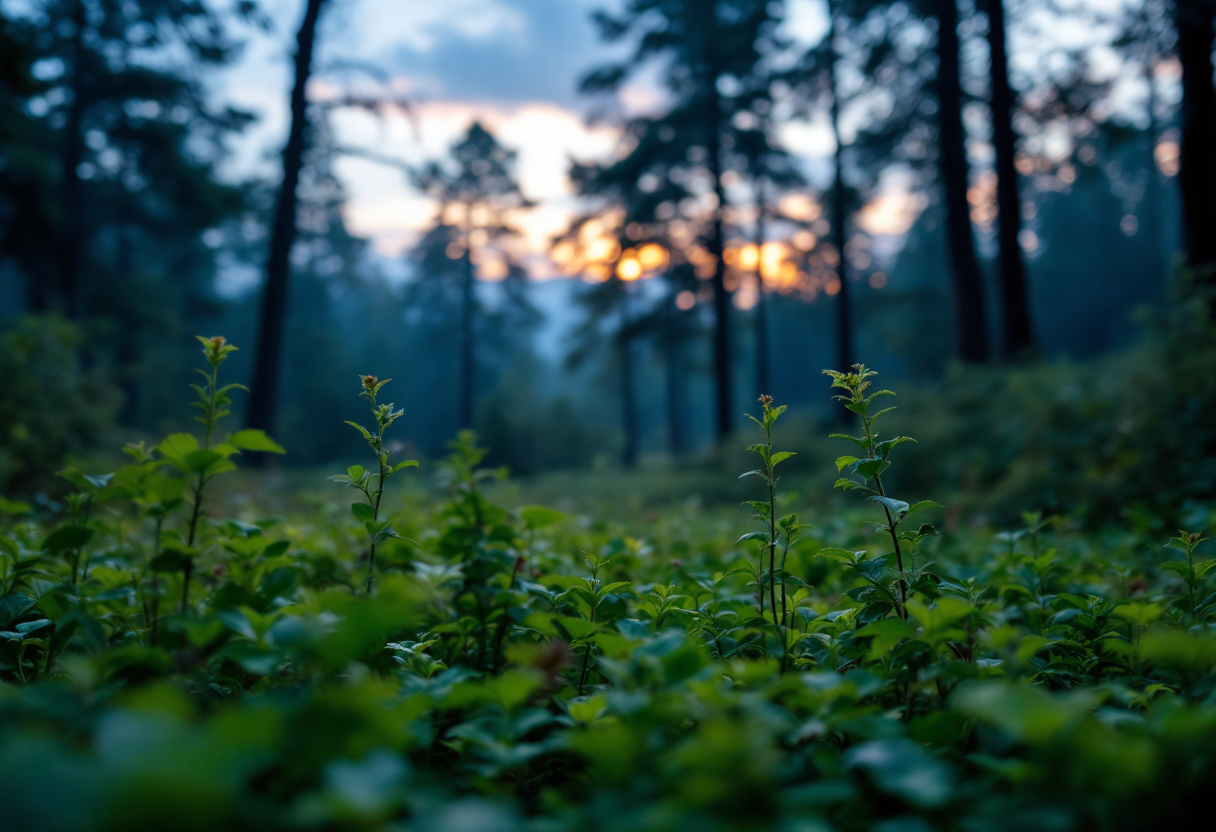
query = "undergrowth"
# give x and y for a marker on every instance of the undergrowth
(470, 665)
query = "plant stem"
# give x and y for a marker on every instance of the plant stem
(196, 510)
(772, 528)
(156, 580)
(381, 458)
(899, 557)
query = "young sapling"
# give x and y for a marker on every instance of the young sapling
(370, 483)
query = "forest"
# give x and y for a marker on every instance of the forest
(607, 415)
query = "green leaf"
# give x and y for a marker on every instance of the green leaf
(764, 451)
(208, 462)
(763, 536)
(31, 626)
(175, 447)
(252, 439)
(780, 456)
(842, 555)
(872, 468)
(845, 461)
(588, 710)
(616, 586)
(860, 442)
(14, 605)
(899, 507)
(1182, 569)
(67, 538)
(540, 517)
(355, 472)
(366, 434)
(362, 511)
(923, 504)
(409, 463)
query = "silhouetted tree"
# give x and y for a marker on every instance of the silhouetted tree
(707, 50)
(473, 196)
(268, 358)
(1017, 334)
(1197, 170)
(124, 75)
(971, 316)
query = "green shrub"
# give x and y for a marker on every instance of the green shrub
(51, 404)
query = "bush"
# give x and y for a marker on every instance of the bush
(51, 406)
(1131, 431)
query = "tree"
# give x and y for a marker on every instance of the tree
(772, 171)
(1197, 170)
(268, 357)
(707, 51)
(1147, 39)
(970, 313)
(124, 76)
(873, 53)
(473, 196)
(1017, 335)
(840, 212)
(27, 218)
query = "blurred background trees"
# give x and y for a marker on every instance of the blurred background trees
(984, 183)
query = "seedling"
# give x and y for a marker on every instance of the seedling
(371, 484)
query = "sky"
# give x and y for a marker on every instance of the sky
(512, 64)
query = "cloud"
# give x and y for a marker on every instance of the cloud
(476, 50)
(384, 207)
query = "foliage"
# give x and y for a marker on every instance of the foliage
(517, 668)
(42, 370)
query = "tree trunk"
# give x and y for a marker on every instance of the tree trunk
(763, 381)
(72, 243)
(268, 360)
(722, 352)
(1017, 333)
(844, 312)
(1197, 168)
(468, 299)
(674, 371)
(1153, 204)
(629, 410)
(971, 320)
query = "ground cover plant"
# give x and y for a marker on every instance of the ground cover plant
(463, 664)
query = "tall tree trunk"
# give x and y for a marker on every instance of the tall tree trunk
(971, 319)
(673, 346)
(468, 367)
(268, 360)
(1017, 333)
(72, 243)
(629, 410)
(844, 312)
(763, 381)
(1153, 205)
(1197, 168)
(722, 352)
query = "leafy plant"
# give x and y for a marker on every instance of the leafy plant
(371, 483)
(777, 532)
(871, 466)
(199, 462)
